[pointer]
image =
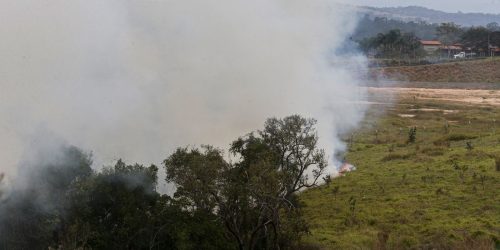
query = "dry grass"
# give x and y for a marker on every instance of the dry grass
(486, 70)
(419, 195)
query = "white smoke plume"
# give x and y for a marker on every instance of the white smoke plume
(135, 79)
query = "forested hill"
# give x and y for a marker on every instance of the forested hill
(419, 14)
(370, 27)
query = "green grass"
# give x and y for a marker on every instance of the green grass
(410, 196)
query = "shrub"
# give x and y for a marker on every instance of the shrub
(327, 179)
(468, 146)
(412, 135)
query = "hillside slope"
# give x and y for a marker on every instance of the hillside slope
(486, 70)
(416, 14)
(441, 192)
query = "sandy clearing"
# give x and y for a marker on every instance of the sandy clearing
(469, 96)
(406, 115)
(444, 111)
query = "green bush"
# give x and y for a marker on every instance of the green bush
(412, 135)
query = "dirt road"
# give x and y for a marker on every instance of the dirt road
(487, 97)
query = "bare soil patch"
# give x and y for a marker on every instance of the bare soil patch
(483, 71)
(466, 96)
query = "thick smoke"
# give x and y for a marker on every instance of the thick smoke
(135, 79)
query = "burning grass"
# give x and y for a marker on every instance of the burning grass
(422, 195)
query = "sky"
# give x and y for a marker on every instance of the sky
(134, 79)
(486, 6)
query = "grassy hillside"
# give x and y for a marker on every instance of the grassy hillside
(441, 192)
(486, 70)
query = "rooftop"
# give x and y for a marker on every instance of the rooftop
(424, 42)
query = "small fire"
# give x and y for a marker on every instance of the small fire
(345, 168)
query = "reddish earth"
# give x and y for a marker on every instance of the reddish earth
(485, 71)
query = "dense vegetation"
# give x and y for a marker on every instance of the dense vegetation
(66, 205)
(439, 190)
(403, 43)
(250, 203)
(370, 27)
(393, 44)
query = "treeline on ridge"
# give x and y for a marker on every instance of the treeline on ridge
(401, 41)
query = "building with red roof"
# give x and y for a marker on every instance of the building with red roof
(431, 46)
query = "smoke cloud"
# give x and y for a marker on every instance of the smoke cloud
(135, 79)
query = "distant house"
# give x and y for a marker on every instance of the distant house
(451, 49)
(431, 46)
(495, 50)
(436, 48)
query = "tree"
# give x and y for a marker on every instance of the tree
(207, 184)
(480, 38)
(110, 210)
(393, 44)
(494, 26)
(119, 208)
(412, 47)
(36, 211)
(448, 34)
(284, 158)
(494, 38)
(370, 27)
(66, 205)
(250, 203)
(294, 142)
(198, 175)
(256, 196)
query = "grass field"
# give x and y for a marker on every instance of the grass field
(486, 70)
(440, 192)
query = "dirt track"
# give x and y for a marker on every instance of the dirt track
(467, 96)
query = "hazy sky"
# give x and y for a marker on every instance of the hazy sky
(489, 6)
